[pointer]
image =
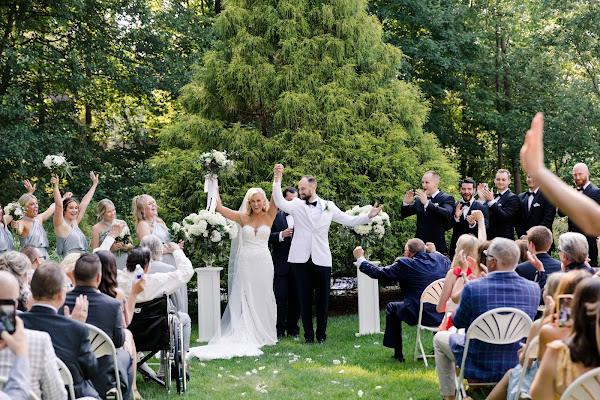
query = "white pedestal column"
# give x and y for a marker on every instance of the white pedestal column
(209, 302)
(368, 303)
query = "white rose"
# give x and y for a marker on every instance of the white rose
(124, 232)
(176, 227)
(59, 160)
(202, 225)
(205, 234)
(208, 161)
(48, 162)
(378, 220)
(215, 236)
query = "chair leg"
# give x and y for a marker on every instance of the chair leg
(417, 341)
(423, 352)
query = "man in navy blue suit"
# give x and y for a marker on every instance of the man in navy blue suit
(504, 207)
(502, 287)
(434, 209)
(70, 338)
(415, 271)
(535, 210)
(106, 313)
(581, 176)
(539, 240)
(463, 223)
(284, 282)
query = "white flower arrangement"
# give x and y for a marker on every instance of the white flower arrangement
(205, 232)
(375, 229)
(216, 162)
(57, 164)
(15, 210)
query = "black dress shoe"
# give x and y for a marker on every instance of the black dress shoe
(321, 340)
(309, 340)
(280, 336)
(399, 359)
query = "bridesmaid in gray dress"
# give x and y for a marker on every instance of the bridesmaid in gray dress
(147, 222)
(107, 215)
(69, 238)
(29, 228)
(6, 240)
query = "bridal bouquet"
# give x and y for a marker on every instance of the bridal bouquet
(206, 233)
(216, 163)
(15, 210)
(58, 164)
(372, 232)
(124, 238)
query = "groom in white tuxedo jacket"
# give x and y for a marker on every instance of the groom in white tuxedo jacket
(309, 255)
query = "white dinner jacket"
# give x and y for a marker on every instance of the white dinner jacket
(310, 240)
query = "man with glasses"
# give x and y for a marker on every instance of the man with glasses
(502, 287)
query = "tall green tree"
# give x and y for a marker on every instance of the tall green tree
(312, 85)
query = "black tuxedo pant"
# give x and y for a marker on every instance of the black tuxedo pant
(311, 278)
(288, 306)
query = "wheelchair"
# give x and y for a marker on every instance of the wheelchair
(155, 327)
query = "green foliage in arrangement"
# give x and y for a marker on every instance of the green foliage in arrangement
(311, 85)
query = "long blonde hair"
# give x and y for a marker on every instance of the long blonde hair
(251, 192)
(470, 247)
(101, 208)
(26, 199)
(137, 205)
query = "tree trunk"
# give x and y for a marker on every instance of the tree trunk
(516, 174)
(218, 6)
(88, 115)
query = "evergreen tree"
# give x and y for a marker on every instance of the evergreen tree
(312, 85)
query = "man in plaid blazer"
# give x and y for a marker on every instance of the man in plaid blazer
(45, 379)
(502, 287)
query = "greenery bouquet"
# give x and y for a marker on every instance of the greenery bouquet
(15, 210)
(206, 234)
(58, 164)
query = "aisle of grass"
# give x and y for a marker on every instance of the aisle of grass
(294, 370)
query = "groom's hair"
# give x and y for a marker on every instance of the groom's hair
(311, 179)
(415, 245)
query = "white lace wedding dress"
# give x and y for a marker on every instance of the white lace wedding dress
(249, 319)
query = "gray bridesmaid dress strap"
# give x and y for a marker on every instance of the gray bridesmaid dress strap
(75, 242)
(36, 237)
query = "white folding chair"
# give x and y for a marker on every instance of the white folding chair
(66, 376)
(586, 387)
(431, 295)
(530, 354)
(102, 346)
(32, 395)
(502, 325)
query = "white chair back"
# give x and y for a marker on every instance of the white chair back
(586, 387)
(66, 376)
(502, 325)
(431, 295)
(102, 346)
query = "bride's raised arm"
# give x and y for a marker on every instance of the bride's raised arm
(228, 213)
(272, 209)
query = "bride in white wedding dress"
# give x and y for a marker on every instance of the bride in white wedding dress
(249, 319)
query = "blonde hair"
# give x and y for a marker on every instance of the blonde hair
(470, 247)
(251, 192)
(101, 208)
(26, 199)
(16, 263)
(68, 263)
(137, 205)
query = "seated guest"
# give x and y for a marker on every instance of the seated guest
(104, 312)
(573, 251)
(502, 287)
(567, 359)
(35, 257)
(523, 249)
(155, 245)
(159, 283)
(18, 384)
(17, 264)
(539, 240)
(45, 380)
(415, 271)
(70, 337)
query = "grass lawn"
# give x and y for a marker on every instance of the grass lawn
(344, 367)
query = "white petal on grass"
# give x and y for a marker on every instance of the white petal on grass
(377, 387)
(248, 373)
(221, 368)
(357, 334)
(275, 372)
(376, 343)
(243, 393)
(234, 377)
(255, 371)
(360, 393)
(334, 382)
(356, 346)
(276, 354)
(219, 376)
(336, 362)
(309, 360)
(262, 389)
(341, 371)
(261, 368)
(202, 365)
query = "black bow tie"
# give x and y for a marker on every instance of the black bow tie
(465, 203)
(579, 189)
(286, 214)
(313, 203)
(529, 193)
(429, 197)
(497, 195)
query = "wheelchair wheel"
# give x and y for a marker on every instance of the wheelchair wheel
(178, 359)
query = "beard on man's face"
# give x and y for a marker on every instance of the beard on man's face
(306, 196)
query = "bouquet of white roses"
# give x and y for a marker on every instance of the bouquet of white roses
(373, 231)
(58, 164)
(206, 233)
(15, 210)
(216, 163)
(124, 237)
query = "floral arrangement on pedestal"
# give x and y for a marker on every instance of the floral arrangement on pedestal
(369, 234)
(205, 233)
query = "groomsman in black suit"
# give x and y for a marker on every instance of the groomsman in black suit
(581, 176)
(503, 206)
(535, 210)
(284, 282)
(462, 223)
(434, 209)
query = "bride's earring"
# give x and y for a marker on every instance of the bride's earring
(264, 208)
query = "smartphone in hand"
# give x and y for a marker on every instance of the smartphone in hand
(563, 309)
(8, 311)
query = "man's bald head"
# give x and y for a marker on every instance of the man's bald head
(581, 174)
(9, 287)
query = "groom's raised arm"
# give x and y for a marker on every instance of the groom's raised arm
(280, 201)
(348, 220)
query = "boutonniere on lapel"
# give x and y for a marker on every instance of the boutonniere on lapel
(536, 205)
(327, 203)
